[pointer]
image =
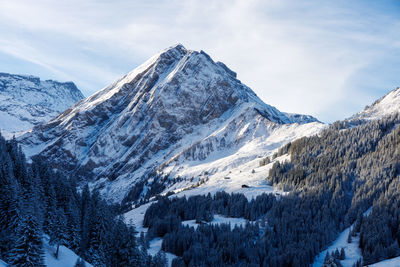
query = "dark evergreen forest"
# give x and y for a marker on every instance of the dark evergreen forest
(36, 201)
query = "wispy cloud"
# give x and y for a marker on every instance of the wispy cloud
(312, 57)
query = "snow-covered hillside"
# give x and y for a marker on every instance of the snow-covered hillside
(180, 118)
(388, 104)
(26, 101)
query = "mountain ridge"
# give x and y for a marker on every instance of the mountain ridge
(385, 105)
(27, 101)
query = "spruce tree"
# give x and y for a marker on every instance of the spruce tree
(28, 247)
(79, 263)
(57, 231)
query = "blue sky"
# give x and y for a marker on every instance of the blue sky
(324, 58)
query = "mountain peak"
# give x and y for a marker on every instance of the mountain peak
(180, 104)
(175, 51)
(177, 79)
(177, 46)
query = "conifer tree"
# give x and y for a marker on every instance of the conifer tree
(57, 230)
(28, 248)
(79, 263)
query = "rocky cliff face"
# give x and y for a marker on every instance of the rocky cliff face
(27, 101)
(180, 108)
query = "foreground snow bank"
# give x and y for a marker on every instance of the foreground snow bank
(66, 257)
(395, 262)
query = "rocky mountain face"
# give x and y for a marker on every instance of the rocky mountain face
(27, 101)
(171, 120)
(386, 105)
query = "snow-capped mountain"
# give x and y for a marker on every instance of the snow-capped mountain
(26, 101)
(386, 105)
(180, 117)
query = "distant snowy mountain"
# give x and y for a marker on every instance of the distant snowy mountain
(26, 101)
(177, 121)
(388, 104)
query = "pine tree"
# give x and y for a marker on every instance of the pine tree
(342, 254)
(327, 257)
(9, 207)
(57, 231)
(85, 220)
(73, 225)
(349, 239)
(124, 250)
(51, 207)
(79, 263)
(144, 240)
(28, 247)
(159, 260)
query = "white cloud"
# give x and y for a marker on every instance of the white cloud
(301, 56)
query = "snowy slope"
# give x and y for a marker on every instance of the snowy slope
(135, 218)
(26, 101)
(155, 247)
(177, 116)
(352, 251)
(395, 262)
(388, 104)
(66, 257)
